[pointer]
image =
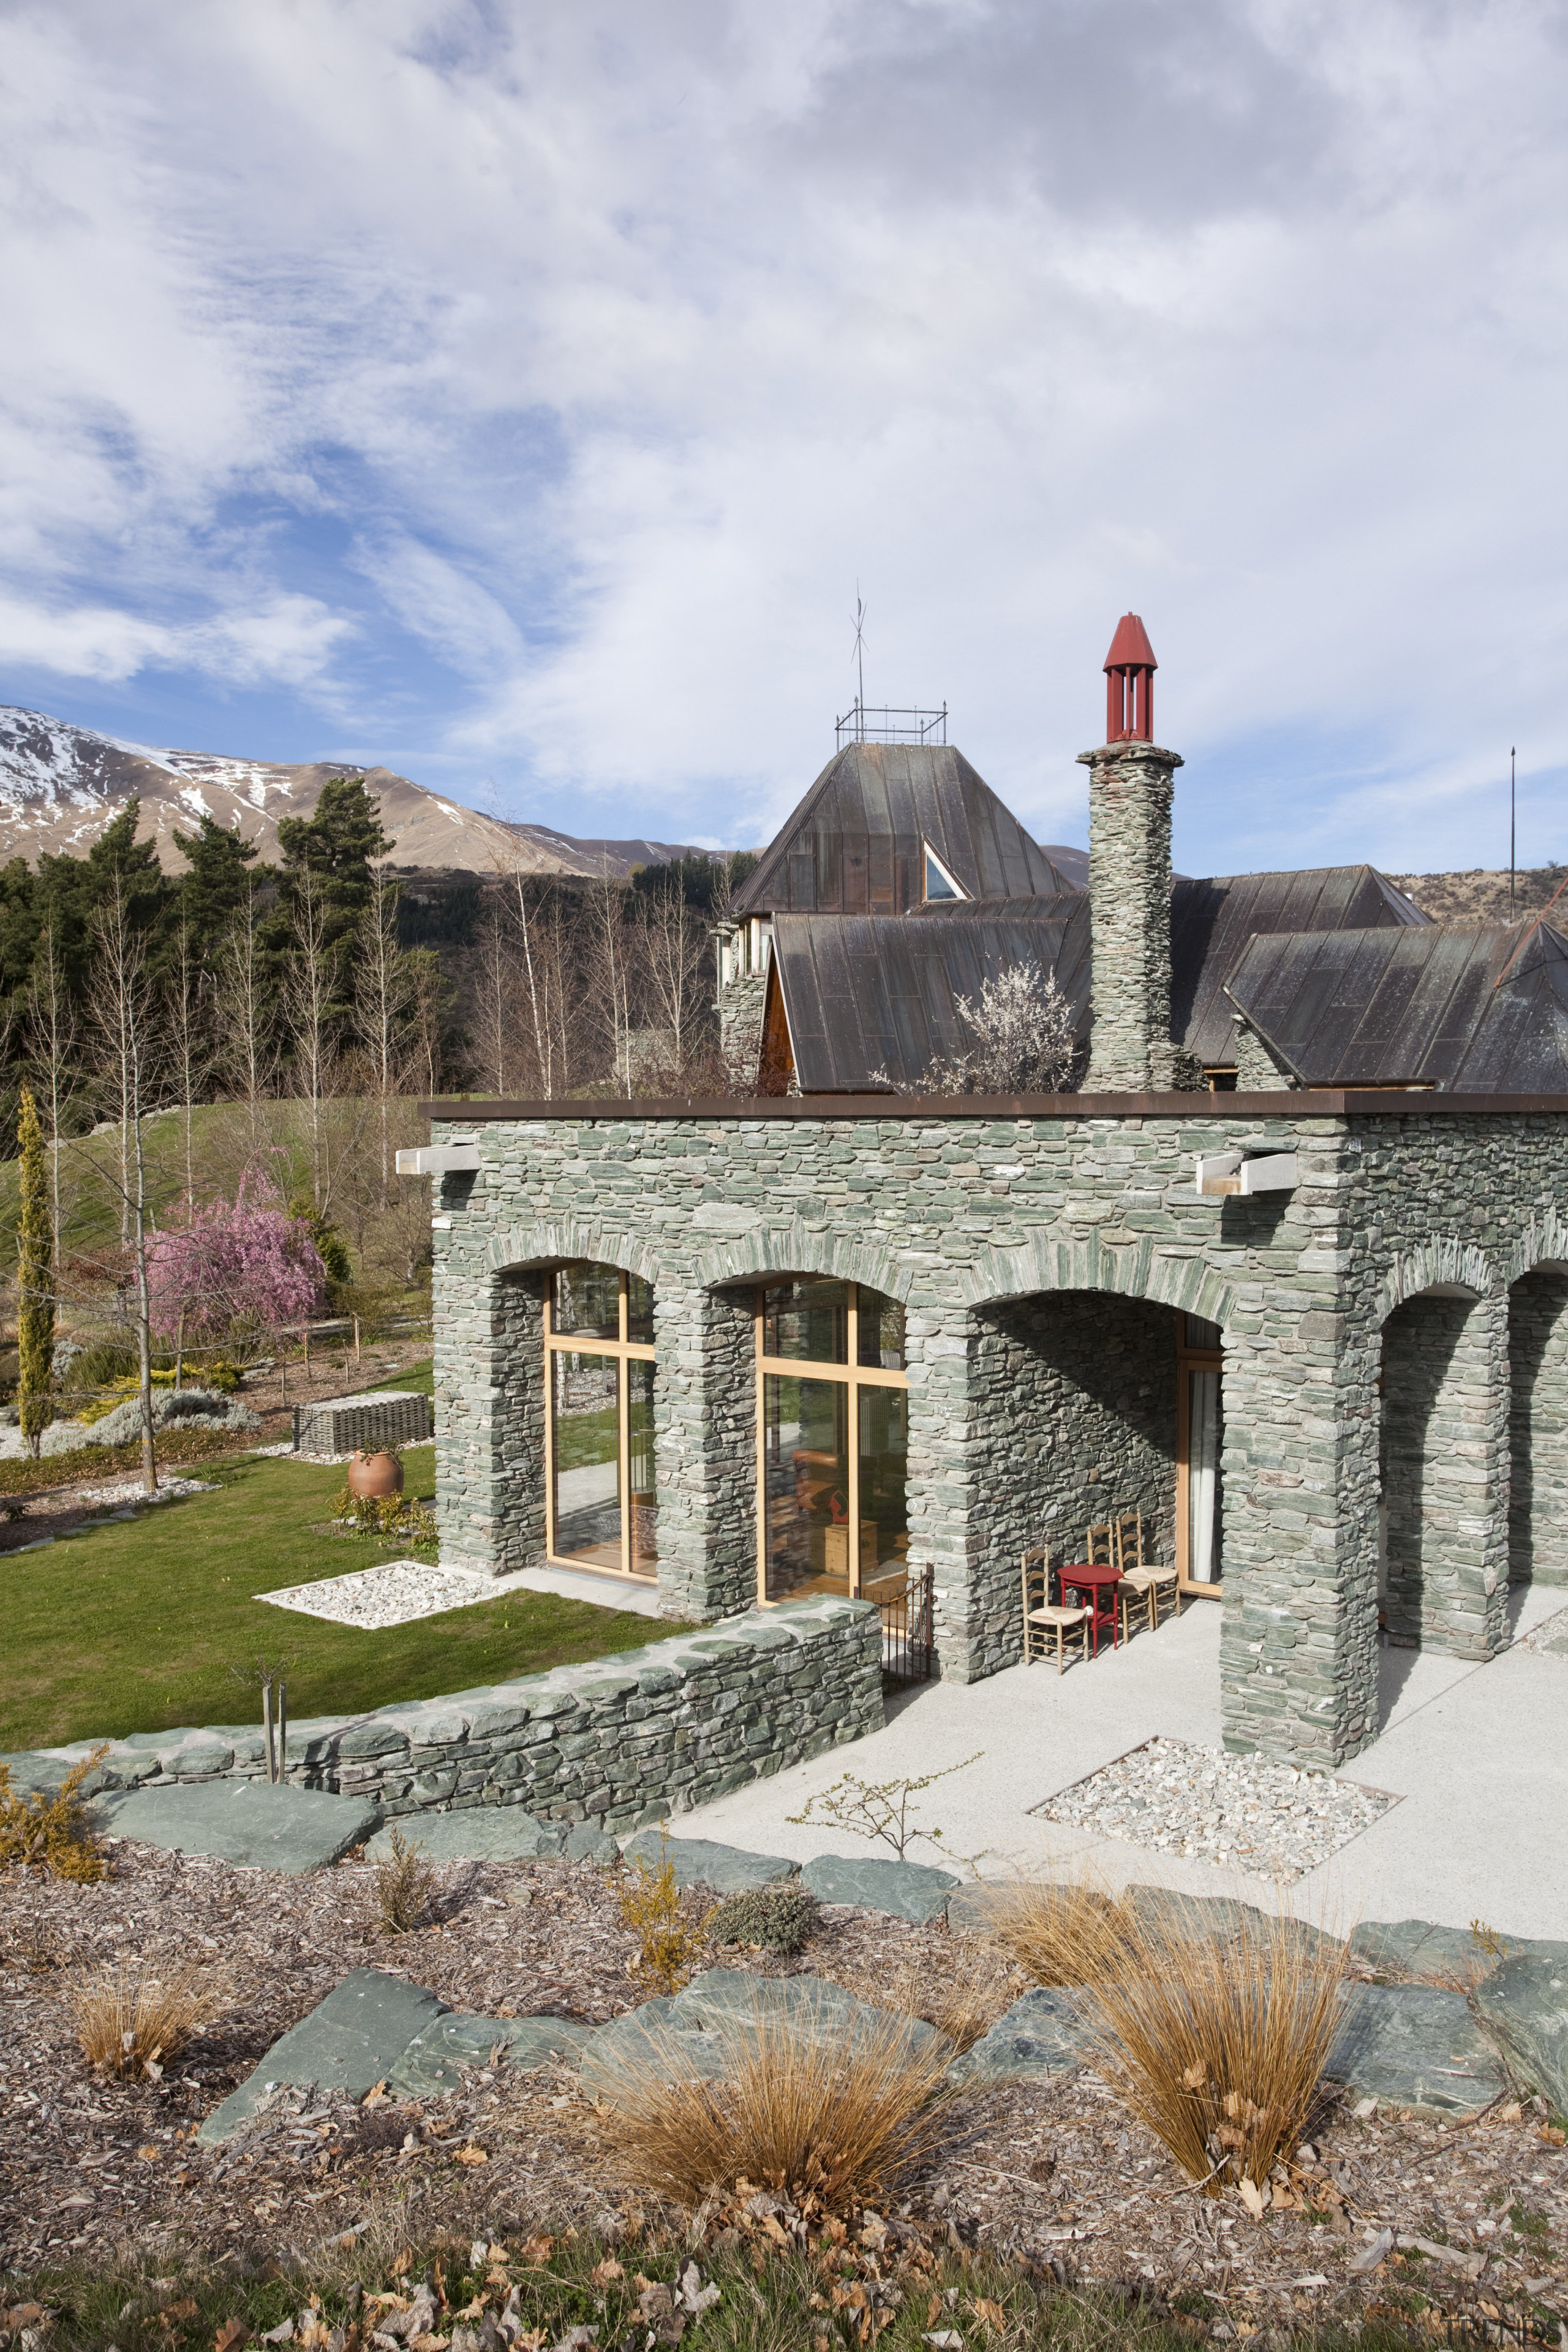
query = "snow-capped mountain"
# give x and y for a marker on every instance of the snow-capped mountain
(61, 785)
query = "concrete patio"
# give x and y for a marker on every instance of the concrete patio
(1476, 1754)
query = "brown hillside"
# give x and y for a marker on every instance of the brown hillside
(1481, 894)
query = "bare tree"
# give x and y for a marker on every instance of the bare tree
(674, 962)
(188, 1043)
(307, 1000)
(609, 978)
(244, 1008)
(121, 1012)
(380, 1002)
(54, 1038)
(493, 992)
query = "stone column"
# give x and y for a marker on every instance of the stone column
(1538, 1496)
(489, 1418)
(1446, 1472)
(1298, 1643)
(1130, 792)
(705, 1450)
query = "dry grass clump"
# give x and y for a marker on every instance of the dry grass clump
(1060, 1931)
(52, 1832)
(134, 2018)
(1218, 2042)
(670, 1943)
(404, 1883)
(963, 1998)
(829, 2123)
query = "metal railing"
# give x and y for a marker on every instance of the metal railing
(909, 1628)
(882, 723)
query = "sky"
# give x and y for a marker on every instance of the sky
(519, 395)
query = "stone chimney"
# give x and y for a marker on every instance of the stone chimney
(1131, 782)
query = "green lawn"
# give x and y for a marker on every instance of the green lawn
(134, 1627)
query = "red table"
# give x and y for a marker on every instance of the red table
(1098, 1586)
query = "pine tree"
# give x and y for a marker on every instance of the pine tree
(36, 1280)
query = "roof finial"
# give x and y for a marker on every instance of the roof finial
(1130, 668)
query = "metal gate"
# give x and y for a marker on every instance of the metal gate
(908, 1635)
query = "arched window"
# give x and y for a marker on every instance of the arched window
(833, 1440)
(601, 1492)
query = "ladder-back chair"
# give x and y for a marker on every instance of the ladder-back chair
(1042, 1616)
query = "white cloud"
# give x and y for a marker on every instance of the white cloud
(609, 346)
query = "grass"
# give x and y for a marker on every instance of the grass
(134, 2017)
(136, 1626)
(830, 2126)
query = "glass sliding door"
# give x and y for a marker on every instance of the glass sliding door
(601, 1493)
(832, 1441)
(1200, 1440)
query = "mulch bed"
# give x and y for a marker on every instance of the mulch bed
(91, 2167)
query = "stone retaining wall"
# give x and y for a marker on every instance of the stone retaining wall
(618, 1741)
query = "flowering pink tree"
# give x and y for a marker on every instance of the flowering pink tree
(247, 1262)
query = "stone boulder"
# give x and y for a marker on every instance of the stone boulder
(701, 1862)
(1041, 2035)
(1524, 2003)
(908, 1890)
(698, 2034)
(1416, 2047)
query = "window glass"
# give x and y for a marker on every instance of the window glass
(807, 1320)
(587, 1302)
(881, 1325)
(1206, 1442)
(937, 884)
(586, 1454)
(805, 1432)
(1203, 1335)
(884, 1504)
(639, 1309)
(640, 1457)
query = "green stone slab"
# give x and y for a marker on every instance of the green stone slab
(434, 2060)
(697, 2034)
(350, 2041)
(702, 1862)
(1525, 2004)
(478, 1833)
(1041, 2035)
(1415, 2046)
(908, 1890)
(246, 1822)
(1419, 1947)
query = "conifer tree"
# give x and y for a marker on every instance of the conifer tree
(36, 1280)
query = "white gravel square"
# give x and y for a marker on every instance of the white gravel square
(396, 1593)
(1244, 1813)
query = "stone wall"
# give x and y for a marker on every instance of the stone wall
(1445, 1475)
(619, 1741)
(958, 1210)
(1538, 1493)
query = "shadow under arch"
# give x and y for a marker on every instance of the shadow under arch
(1538, 1422)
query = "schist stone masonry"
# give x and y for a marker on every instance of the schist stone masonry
(824, 1339)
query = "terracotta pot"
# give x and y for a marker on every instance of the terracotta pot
(374, 1474)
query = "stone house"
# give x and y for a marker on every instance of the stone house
(1287, 1271)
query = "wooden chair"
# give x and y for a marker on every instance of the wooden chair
(1141, 1579)
(1041, 1613)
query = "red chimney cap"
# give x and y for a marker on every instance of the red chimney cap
(1130, 647)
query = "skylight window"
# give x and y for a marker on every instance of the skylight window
(940, 883)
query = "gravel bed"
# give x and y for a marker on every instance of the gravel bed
(131, 1490)
(396, 1593)
(1242, 1810)
(1550, 1639)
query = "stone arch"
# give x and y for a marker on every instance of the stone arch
(1064, 1257)
(799, 1249)
(514, 1248)
(1446, 1264)
(1541, 1247)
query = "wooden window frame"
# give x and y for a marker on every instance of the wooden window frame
(622, 1351)
(853, 1376)
(1191, 1360)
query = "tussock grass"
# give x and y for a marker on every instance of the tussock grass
(822, 2120)
(1060, 1931)
(133, 2018)
(963, 2000)
(404, 1883)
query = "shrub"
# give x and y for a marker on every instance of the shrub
(826, 2123)
(670, 1943)
(404, 1883)
(1217, 2043)
(134, 2018)
(117, 1420)
(780, 1919)
(401, 1516)
(52, 1831)
(103, 1360)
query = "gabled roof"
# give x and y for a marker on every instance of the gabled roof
(1476, 1011)
(853, 846)
(1211, 923)
(871, 999)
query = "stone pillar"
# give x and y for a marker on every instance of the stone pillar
(1538, 1492)
(1446, 1472)
(1257, 1069)
(1130, 792)
(489, 1419)
(705, 1450)
(1298, 1643)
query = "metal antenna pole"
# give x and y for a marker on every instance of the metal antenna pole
(860, 660)
(1512, 834)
